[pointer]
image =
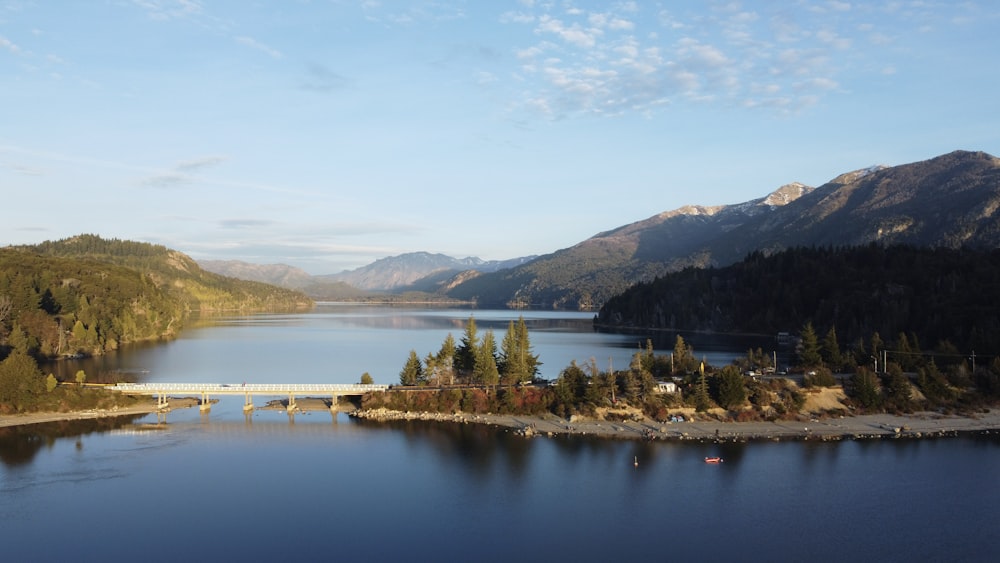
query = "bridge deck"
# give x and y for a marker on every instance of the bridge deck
(246, 389)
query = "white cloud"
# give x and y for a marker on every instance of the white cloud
(516, 17)
(821, 83)
(254, 44)
(9, 45)
(574, 34)
(700, 55)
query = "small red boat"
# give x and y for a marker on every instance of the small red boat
(713, 460)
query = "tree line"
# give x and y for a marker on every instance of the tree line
(476, 359)
(937, 296)
(946, 382)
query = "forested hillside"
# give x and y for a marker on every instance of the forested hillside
(177, 273)
(90, 295)
(933, 295)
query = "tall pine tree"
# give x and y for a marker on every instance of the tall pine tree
(465, 354)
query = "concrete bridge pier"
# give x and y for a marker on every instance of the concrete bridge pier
(291, 403)
(206, 403)
(333, 404)
(161, 401)
(248, 404)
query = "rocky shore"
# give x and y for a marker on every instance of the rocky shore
(876, 426)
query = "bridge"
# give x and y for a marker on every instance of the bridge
(162, 391)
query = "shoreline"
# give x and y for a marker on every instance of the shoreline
(854, 427)
(26, 419)
(869, 426)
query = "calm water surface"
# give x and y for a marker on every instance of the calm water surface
(272, 487)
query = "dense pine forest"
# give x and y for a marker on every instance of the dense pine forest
(937, 297)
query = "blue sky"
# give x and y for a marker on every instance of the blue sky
(327, 134)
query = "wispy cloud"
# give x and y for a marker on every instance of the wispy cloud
(182, 173)
(254, 44)
(9, 45)
(606, 63)
(197, 164)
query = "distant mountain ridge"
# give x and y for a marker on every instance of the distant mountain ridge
(274, 274)
(401, 272)
(414, 271)
(950, 201)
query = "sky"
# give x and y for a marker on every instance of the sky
(327, 134)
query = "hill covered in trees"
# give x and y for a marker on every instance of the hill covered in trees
(88, 295)
(934, 295)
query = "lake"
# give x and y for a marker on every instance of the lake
(220, 485)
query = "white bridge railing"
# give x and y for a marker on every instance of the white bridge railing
(247, 388)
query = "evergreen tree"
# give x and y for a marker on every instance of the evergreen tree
(570, 390)
(683, 357)
(732, 390)
(898, 392)
(702, 400)
(809, 355)
(21, 382)
(509, 365)
(465, 354)
(524, 350)
(933, 384)
(603, 384)
(412, 370)
(446, 361)
(485, 370)
(632, 380)
(432, 371)
(517, 362)
(649, 358)
(865, 388)
(830, 351)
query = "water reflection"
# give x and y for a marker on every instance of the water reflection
(20, 444)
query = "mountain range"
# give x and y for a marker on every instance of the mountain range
(948, 201)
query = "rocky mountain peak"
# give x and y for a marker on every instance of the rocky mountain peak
(786, 194)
